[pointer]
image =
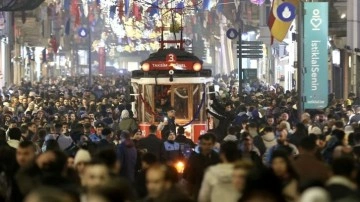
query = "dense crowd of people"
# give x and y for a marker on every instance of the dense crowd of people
(61, 140)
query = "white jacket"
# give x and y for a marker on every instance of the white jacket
(217, 185)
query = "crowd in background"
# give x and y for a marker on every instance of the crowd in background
(61, 140)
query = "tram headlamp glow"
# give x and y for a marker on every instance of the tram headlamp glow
(197, 67)
(145, 67)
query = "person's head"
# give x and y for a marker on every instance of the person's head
(308, 145)
(46, 194)
(270, 120)
(96, 173)
(229, 152)
(107, 133)
(152, 129)
(181, 130)
(283, 135)
(32, 127)
(228, 106)
(147, 160)
(267, 130)
(52, 161)
(72, 116)
(163, 101)
(281, 165)
(241, 169)
(232, 130)
(14, 134)
(171, 136)
(25, 153)
(116, 189)
(356, 138)
(171, 112)
(252, 128)
(108, 156)
(99, 128)
(125, 114)
(344, 166)
(158, 180)
(358, 110)
(82, 158)
(285, 116)
(207, 142)
(247, 142)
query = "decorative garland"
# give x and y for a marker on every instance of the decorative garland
(197, 113)
(148, 107)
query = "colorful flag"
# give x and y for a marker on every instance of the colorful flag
(67, 27)
(112, 11)
(127, 10)
(120, 9)
(278, 28)
(136, 11)
(206, 5)
(154, 8)
(75, 12)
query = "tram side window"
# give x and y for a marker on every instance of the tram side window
(162, 100)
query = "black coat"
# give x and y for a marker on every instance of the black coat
(195, 169)
(152, 144)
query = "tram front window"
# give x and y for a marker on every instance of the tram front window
(181, 102)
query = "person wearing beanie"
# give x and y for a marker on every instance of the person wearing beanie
(82, 157)
(170, 151)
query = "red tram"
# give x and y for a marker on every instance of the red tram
(172, 77)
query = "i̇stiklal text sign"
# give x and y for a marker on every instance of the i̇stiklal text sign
(316, 22)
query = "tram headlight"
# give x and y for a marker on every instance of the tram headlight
(145, 67)
(197, 67)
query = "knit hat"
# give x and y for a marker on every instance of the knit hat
(82, 156)
(125, 114)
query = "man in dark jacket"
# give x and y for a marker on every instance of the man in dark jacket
(199, 162)
(186, 144)
(341, 184)
(127, 154)
(168, 123)
(151, 143)
(224, 115)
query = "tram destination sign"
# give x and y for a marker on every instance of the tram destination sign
(177, 65)
(316, 55)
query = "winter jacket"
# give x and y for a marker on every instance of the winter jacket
(128, 124)
(217, 184)
(127, 154)
(269, 140)
(195, 169)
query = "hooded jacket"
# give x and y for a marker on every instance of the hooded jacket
(269, 140)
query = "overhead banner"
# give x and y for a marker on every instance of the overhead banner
(316, 22)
